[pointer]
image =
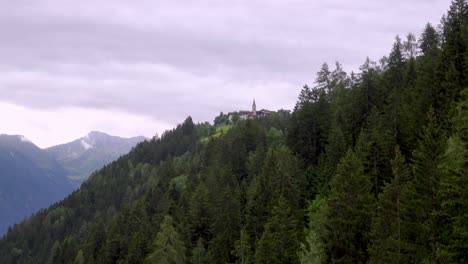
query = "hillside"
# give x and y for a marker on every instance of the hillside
(370, 167)
(83, 156)
(30, 180)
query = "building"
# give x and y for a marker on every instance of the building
(252, 114)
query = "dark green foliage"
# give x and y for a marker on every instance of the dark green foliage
(313, 251)
(279, 241)
(308, 126)
(199, 253)
(421, 200)
(452, 68)
(168, 246)
(240, 196)
(222, 119)
(453, 188)
(349, 214)
(386, 227)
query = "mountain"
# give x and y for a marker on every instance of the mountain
(85, 155)
(30, 179)
(368, 168)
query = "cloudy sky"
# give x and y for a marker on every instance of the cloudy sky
(139, 67)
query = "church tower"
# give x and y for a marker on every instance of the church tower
(254, 108)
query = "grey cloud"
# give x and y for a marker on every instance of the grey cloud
(168, 59)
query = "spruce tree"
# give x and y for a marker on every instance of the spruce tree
(349, 213)
(454, 186)
(313, 250)
(386, 225)
(168, 248)
(199, 213)
(279, 242)
(421, 207)
(199, 253)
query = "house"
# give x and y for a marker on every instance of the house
(244, 114)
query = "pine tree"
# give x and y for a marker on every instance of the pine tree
(380, 143)
(242, 248)
(386, 225)
(368, 92)
(454, 197)
(421, 205)
(95, 243)
(313, 251)
(199, 253)
(226, 224)
(305, 96)
(279, 242)
(323, 79)
(395, 79)
(79, 259)
(168, 246)
(429, 40)
(452, 70)
(349, 213)
(454, 186)
(199, 214)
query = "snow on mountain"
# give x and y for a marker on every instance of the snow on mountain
(24, 139)
(86, 145)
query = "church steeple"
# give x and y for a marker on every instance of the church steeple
(254, 108)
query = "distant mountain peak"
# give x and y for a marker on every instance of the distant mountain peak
(97, 133)
(84, 155)
(13, 138)
(86, 145)
(24, 139)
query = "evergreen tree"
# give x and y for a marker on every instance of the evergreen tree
(305, 96)
(386, 225)
(349, 213)
(199, 213)
(313, 251)
(453, 68)
(323, 79)
(199, 253)
(79, 259)
(421, 205)
(429, 40)
(242, 248)
(168, 246)
(279, 242)
(226, 224)
(395, 78)
(380, 143)
(95, 242)
(454, 196)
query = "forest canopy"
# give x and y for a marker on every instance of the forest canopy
(370, 167)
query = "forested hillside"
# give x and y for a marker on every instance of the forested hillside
(371, 167)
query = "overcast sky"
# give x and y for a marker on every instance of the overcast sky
(131, 67)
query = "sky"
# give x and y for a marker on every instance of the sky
(140, 67)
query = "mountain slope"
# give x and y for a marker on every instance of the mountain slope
(241, 196)
(87, 154)
(30, 179)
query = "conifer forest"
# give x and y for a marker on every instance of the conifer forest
(369, 167)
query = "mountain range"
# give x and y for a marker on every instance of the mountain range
(370, 167)
(32, 178)
(89, 153)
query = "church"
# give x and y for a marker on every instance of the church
(243, 114)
